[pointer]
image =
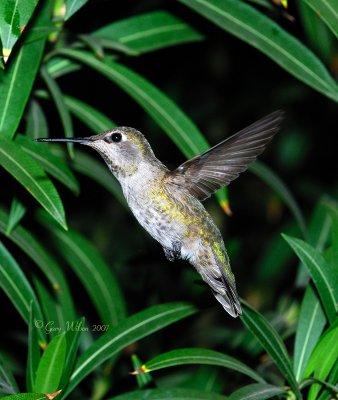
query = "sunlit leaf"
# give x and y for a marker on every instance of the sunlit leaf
(14, 16)
(16, 213)
(328, 11)
(310, 326)
(268, 337)
(17, 80)
(324, 276)
(51, 366)
(198, 356)
(17, 288)
(128, 331)
(72, 6)
(52, 164)
(147, 32)
(29, 173)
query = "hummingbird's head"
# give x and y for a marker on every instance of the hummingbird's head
(122, 148)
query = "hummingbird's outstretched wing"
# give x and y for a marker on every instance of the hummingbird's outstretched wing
(217, 167)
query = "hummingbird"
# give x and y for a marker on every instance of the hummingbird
(167, 203)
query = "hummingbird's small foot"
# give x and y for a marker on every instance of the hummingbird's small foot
(174, 253)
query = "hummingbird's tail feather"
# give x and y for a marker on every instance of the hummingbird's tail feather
(221, 281)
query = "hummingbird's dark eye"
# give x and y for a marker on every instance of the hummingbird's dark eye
(116, 137)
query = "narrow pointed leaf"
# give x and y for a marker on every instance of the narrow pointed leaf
(257, 391)
(37, 126)
(268, 337)
(17, 80)
(29, 173)
(271, 179)
(319, 35)
(166, 394)
(253, 27)
(198, 356)
(15, 215)
(52, 164)
(162, 109)
(36, 252)
(322, 274)
(310, 326)
(73, 336)
(14, 16)
(142, 379)
(72, 6)
(147, 32)
(17, 288)
(323, 359)
(90, 116)
(51, 366)
(328, 11)
(128, 331)
(94, 273)
(57, 96)
(33, 356)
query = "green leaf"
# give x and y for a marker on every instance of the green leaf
(268, 337)
(322, 274)
(327, 10)
(29, 173)
(253, 27)
(8, 384)
(52, 311)
(163, 110)
(126, 332)
(198, 356)
(310, 326)
(51, 366)
(271, 179)
(143, 379)
(166, 394)
(26, 396)
(147, 32)
(14, 16)
(34, 250)
(73, 336)
(16, 214)
(257, 391)
(90, 116)
(72, 6)
(96, 170)
(323, 358)
(37, 126)
(57, 96)
(53, 165)
(94, 273)
(318, 235)
(319, 35)
(17, 80)
(17, 288)
(33, 356)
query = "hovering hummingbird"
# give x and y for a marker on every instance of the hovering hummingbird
(168, 203)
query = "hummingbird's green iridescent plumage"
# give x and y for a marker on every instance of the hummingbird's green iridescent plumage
(168, 203)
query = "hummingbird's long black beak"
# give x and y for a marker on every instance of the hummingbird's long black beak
(72, 140)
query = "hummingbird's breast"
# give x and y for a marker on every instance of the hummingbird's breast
(172, 216)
